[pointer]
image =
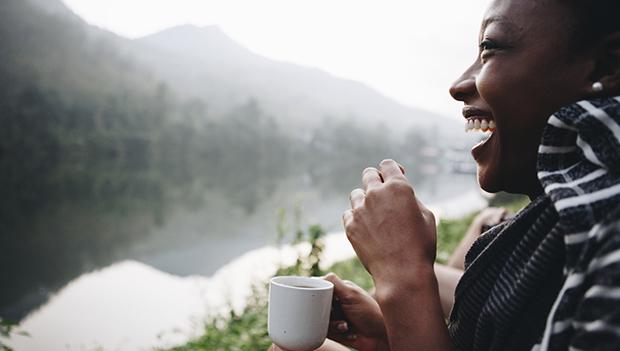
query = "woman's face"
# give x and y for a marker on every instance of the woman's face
(524, 73)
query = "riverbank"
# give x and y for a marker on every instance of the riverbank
(247, 330)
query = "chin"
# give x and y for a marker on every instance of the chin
(489, 181)
(492, 180)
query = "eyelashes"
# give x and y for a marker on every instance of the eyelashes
(487, 47)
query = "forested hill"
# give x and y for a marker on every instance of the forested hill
(80, 123)
(55, 50)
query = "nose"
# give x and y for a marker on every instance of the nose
(465, 87)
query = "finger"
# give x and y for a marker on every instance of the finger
(504, 213)
(499, 215)
(338, 327)
(347, 217)
(345, 291)
(349, 283)
(340, 288)
(371, 178)
(390, 170)
(336, 313)
(333, 345)
(357, 198)
(347, 339)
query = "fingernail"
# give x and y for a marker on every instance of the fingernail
(343, 326)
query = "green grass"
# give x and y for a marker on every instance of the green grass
(449, 234)
(246, 331)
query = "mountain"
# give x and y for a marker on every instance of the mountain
(45, 45)
(54, 7)
(205, 63)
(208, 64)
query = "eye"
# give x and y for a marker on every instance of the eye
(487, 49)
(488, 45)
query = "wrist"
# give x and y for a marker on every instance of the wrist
(415, 281)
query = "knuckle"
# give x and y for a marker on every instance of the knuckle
(349, 227)
(369, 169)
(400, 186)
(349, 232)
(346, 214)
(355, 212)
(431, 219)
(372, 194)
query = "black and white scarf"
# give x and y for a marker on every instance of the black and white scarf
(549, 279)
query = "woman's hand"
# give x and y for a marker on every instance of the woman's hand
(394, 236)
(388, 227)
(490, 217)
(356, 319)
(486, 218)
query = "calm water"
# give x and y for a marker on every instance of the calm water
(143, 258)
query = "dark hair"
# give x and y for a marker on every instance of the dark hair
(594, 19)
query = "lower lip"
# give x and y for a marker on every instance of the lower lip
(479, 149)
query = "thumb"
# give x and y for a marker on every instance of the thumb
(339, 285)
(343, 289)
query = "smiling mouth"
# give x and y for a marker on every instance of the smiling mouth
(480, 123)
(478, 119)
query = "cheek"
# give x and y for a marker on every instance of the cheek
(503, 90)
(513, 96)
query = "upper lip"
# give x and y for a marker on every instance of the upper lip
(471, 111)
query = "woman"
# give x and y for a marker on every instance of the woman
(548, 279)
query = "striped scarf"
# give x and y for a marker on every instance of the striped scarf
(549, 279)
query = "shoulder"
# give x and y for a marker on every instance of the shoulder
(586, 314)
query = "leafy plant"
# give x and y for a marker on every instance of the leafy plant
(7, 329)
(248, 330)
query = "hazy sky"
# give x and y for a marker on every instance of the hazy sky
(410, 50)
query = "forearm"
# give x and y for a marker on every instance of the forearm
(457, 259)
(447, 280)
(412, 312)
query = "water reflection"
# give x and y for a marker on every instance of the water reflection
(137, 217)
(131, 306)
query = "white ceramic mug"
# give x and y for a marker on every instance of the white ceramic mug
(299, 310)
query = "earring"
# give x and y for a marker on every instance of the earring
(597, 87)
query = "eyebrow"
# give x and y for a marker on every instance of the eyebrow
(503, 20)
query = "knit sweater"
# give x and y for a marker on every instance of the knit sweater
(549, 279)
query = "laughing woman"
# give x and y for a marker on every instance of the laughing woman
(547, 84)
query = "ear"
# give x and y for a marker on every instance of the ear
(607, 67)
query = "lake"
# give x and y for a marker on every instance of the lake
(140, 265)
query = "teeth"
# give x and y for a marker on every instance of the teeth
(482, 125)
